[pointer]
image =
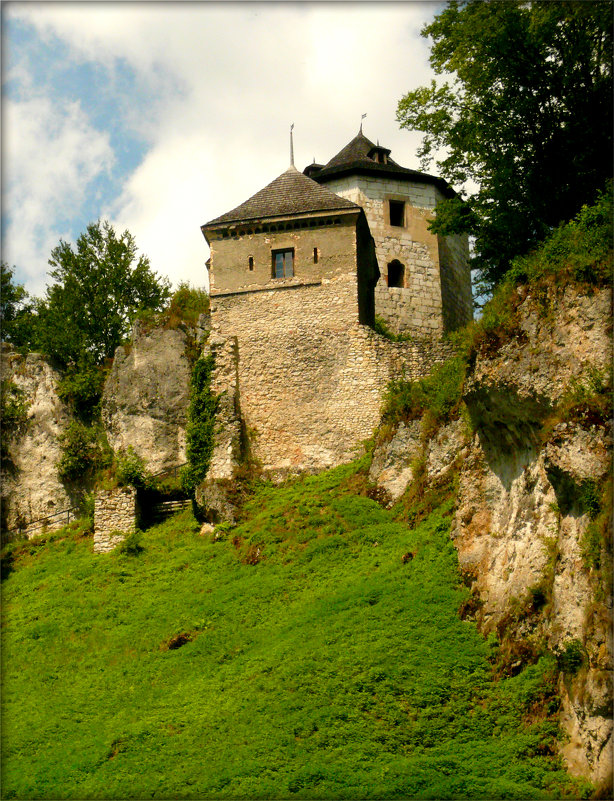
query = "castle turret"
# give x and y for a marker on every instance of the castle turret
(425, 284)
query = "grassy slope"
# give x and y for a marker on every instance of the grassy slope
(330, 668)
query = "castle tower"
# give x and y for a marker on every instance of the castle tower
(425, 284)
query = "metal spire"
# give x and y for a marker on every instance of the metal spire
(291, 146)
(361, 119)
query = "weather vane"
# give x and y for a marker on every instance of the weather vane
(291, 146)
(361, 119)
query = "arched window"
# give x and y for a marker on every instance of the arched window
(396, 274)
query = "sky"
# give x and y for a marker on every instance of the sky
(160, 116)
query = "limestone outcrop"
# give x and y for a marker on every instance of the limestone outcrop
(146, 397)
(526, 476)
(31, 489)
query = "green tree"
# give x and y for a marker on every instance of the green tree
(99, 288)
(526, 115)
(17, 311)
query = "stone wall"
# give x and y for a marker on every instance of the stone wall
(437, 279)
(311, 378)
(334, 240)
(115, 515)
(213, 495)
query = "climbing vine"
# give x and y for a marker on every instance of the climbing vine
(201, 420)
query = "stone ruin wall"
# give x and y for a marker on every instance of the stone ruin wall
(115, 515)
(437, 291)
(311, 379)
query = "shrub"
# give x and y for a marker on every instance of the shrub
(81, 388)
(439, 393)
(131, 544)
(13, 414)
(130, 469)
(81, 452)
(572, 657)
(580, 250)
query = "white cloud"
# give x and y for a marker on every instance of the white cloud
(52, 155)
(226, 81)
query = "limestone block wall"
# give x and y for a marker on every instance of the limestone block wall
(311, 378)
(333, 239)
(114, 511)
(225, 384)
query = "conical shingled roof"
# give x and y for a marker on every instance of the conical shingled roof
(354, 158)
(356, 151)
(290, 193)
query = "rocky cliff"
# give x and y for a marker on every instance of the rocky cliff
(146, 397)
(31, 488)
(527, 456)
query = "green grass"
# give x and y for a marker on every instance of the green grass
(328, 667)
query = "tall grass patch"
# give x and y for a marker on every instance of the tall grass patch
(334, 666)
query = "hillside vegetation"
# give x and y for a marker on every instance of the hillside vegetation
(313, 651)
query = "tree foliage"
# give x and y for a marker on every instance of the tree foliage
(526, 115)
(16, 309)
(99, 288)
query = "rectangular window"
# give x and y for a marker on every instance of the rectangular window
(397, 213)
(283, 263)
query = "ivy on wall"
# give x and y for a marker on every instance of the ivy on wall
(201, 421)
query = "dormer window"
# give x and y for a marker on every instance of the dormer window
(379, 154)
(283, 263)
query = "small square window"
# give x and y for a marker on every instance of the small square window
(397, 213)
(283, 263)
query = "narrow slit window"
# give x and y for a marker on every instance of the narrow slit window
(315, 255)
(397, 213)
(283, 263)
(250, 262)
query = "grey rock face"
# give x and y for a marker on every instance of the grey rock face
(518, 524)
(391, 467)
(31, 489)
(146, 398)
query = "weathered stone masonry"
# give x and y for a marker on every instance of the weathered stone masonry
(293, 272)
(311, 378)
(115, 515)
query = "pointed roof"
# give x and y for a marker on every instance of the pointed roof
(291, 193)
(359, 157)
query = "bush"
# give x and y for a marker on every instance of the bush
(580, 250)
(13, 414)
(131, 544)
(571, 659)
(130, 469)
(81, 453)
(439, 393)
(81, 388)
